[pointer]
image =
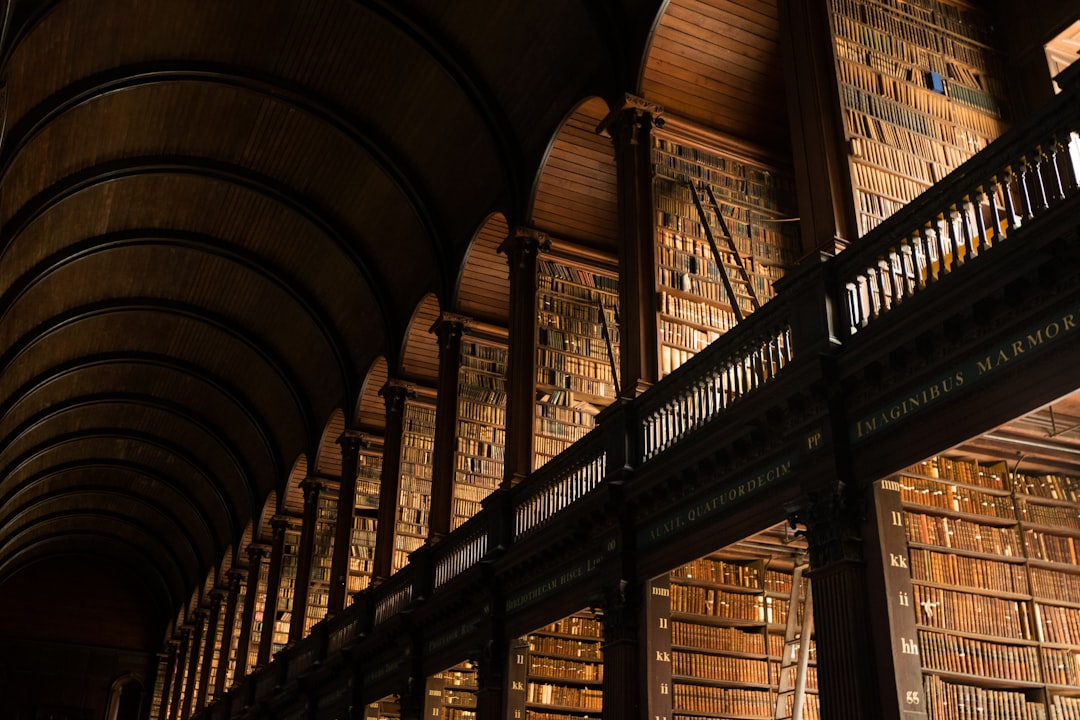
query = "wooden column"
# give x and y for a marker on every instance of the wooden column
(212, 620)
(630, 128)
(394, 394)
(313, 489)
(448, 329)
(822, 171)
(197, 634)
(273, 586)
(257, 553)
(521, 248)
(491, 673)
(343, 527)
(181, 666)
(167, 686)
(232, 599)
(847, 678)
(624, 677)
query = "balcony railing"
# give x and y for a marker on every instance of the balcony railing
(1025, 175)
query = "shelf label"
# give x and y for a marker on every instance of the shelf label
(1007, 354)
(727, 496)
(568, 576)
(907, 666)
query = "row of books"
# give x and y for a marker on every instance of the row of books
(584, 698)
(970, 472)
(972, 613)
(957, 498)
(950, 701)
(984, 573)
(723, 702)
(726, 639)
(1058, 624)
(696, 312)
(1062, 516)
(983, 658)
(961, 534)
(1056, 487)
(724, 667)
(728, 605)
(748, 575)
(559, 667)
(578, 275)
(1050, 547)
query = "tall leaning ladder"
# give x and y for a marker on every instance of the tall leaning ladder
(733, 274)
(791, 693)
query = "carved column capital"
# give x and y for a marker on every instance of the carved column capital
(522, 245)
(257, 551)
(394, 394)
(834, 523)
(625, 123)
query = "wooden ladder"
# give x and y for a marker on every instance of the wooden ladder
(791, 693)
(737, 282)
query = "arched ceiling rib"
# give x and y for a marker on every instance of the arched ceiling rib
(215, 217)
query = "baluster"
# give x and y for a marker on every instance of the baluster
(852, 308)
(920, 261)
(1056, 187)
(926, 234)
(880, 292)
(1070, 157)
(963, 212)
(1022, 186)
(1010, 209)
(1040, 184)
(895, 277)
(906, 258)
(980, 227)
(946, 244)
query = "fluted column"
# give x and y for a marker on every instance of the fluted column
(521, 248)
(448, 329)
(313, 489)
(394, 394)
(257, 553)
(212, 619)
(630, 128)
(273, 586)
(346, 511)
(232, 599)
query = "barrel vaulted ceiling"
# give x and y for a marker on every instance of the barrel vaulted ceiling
(215, 216)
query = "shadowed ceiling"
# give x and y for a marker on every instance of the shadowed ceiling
(215, 216)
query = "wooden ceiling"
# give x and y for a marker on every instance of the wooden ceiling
(218, 219)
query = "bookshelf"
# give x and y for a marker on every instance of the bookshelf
(577, 310)
(257, 622)
(365, 518)
(996, 588)
(481, 421)
(920, 90)
(755, 201)
(233, 659)
(565, 670)
(287, 588)
(322, 553)
(729, 616)
(414, 495)
(451, 694)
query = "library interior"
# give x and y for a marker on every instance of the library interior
(562, 360)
